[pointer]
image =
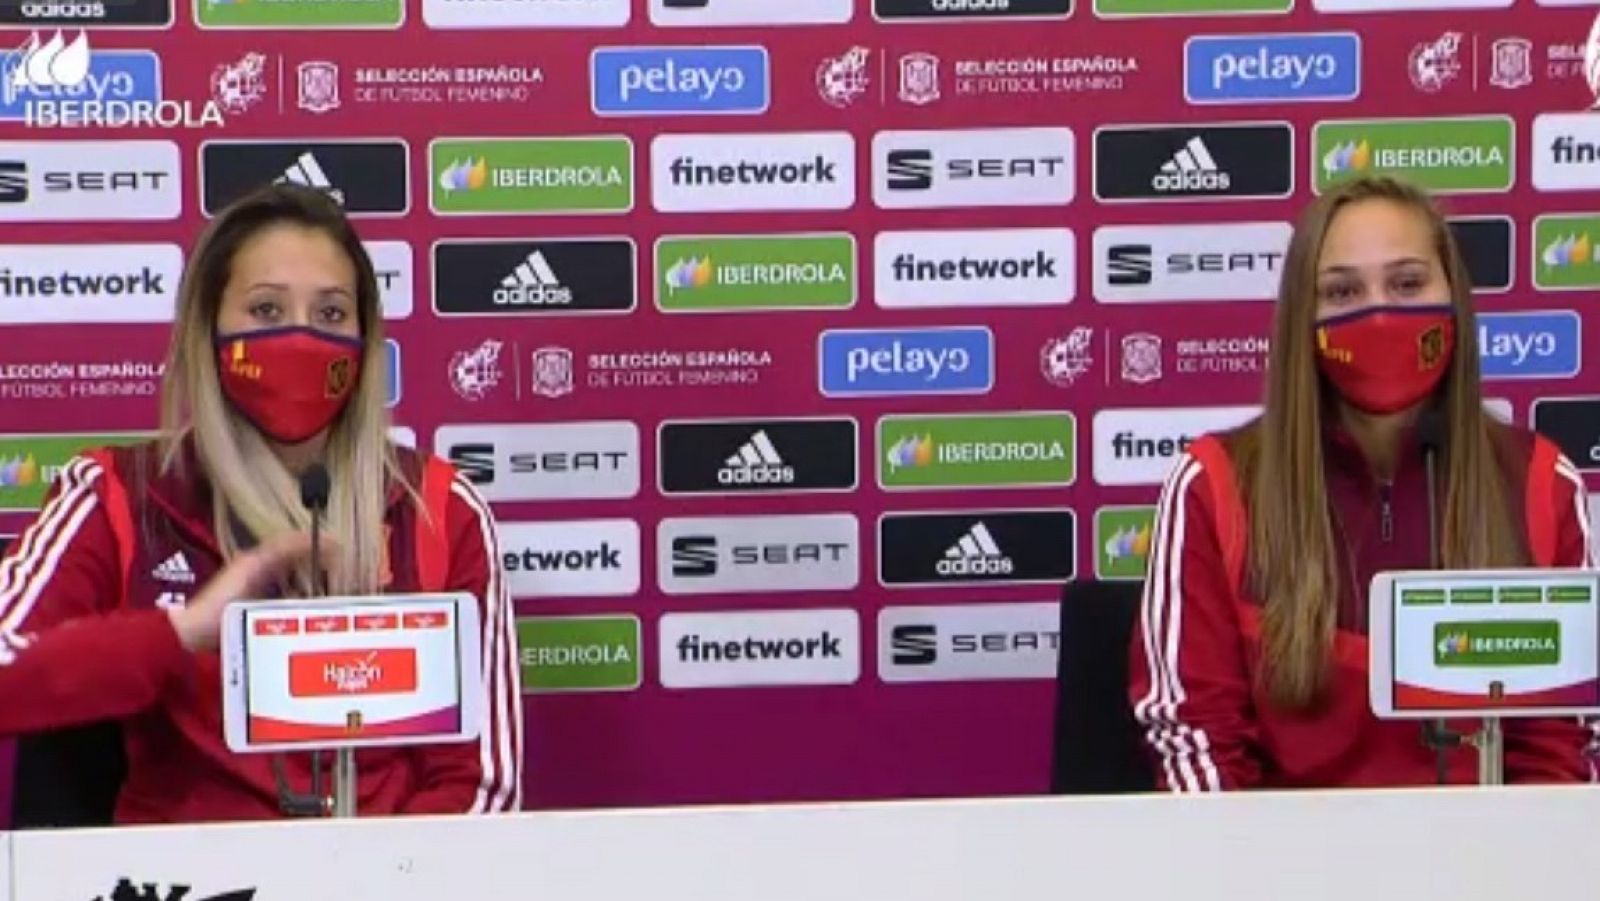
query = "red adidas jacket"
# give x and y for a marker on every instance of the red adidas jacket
(1196, 651)
(85, 636)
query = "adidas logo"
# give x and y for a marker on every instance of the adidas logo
(976, 554)
(174, 569)
(755, 463)
(532, 282)
(1192, 168)
(307, 173)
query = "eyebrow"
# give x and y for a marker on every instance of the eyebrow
(1392, 264)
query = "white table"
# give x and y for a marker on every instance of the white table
(1456, 844)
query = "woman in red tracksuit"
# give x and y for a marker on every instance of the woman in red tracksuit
(1249, 665)
(111, 600)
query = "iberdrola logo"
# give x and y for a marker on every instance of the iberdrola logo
(1497, 643)
(1348, 156)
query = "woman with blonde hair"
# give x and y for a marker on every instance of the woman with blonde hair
(1249, 664)
(111, 600)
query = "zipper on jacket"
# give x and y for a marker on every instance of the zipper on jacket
(1386, 511)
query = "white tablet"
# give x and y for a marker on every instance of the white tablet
(351, 672)
(1471, 643)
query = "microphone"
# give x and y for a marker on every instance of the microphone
(315, 486)
(1430, 437)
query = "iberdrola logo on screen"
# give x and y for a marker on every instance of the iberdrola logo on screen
(478, 176)
(300, 13)
(1452, 155)
(1498, 643)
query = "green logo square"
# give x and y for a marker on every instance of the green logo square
(578, 653)
(1445, 155)
(1001, 450)
(1566, 251)
(30, 463)
(715, 273)
(299, 13)
(1122, 541)
(533, 176)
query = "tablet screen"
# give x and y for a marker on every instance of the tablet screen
(344, 672)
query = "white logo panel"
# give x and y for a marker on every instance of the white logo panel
(988, 267)
(88, 283)
(776, 647)
(1139, 447)
(753, 172)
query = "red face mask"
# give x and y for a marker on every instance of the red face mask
(290, 383)
(1385, 359)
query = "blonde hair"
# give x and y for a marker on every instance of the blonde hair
(250, 486)
(1292, 557)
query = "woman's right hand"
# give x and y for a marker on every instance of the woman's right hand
(199, 623)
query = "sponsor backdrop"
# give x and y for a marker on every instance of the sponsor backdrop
(804, 349)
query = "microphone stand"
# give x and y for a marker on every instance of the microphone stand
(314, 489)
(1435, 734)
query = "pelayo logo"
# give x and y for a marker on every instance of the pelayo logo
(1002, 450)
(1533, 344)
(1566, 251)
(1497, 643)
(1455, 155)
(531, 176)
(30, 463)
(723, 273)
(870, 362)
(578, 653)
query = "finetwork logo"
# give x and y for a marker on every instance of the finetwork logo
(89, 181)
(1567, 151)
(700, 13)
(767, 647)
(1169, 263)
(980, 167)
(552, 461)
(753, 172)
(509, 277)
(968, 642)
(665, 81)
(977, 546)
(535, 176)
(1530, 345)
(570, 558)
(88, 283)
(802, 552)
(1464, 154)
(1276, 68)
(772, 456)
(1194, 162)
(1140, 446)
(368, 177)
(988, 267)
(507, 14)
(905, 362)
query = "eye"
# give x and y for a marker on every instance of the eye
(268, 310)
(333, 314)
(1339, 292)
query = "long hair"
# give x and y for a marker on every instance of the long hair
(250, 487)
(1292, 561)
